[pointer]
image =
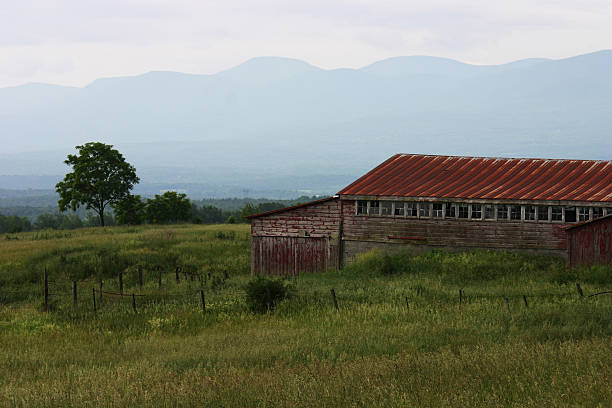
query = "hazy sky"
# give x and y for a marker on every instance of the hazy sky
(72, 42)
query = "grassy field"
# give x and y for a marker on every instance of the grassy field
(400, 337)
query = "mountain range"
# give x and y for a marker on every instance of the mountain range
(282, 127)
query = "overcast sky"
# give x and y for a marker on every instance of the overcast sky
(73, 42)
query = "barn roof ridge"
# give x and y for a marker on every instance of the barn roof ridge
(459, 156)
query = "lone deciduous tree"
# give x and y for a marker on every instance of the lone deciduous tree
(100, 177)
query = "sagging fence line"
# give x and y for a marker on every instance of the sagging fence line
(99, 294)
(133, 297)
(97, 302)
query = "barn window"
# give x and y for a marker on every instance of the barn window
(542, 213)
(451, 211)
(515, 212)
(386, 207)
(411, 209)
(399, 209)
(570, 214)
(476, 211)
(530, 213)
(597, 212)
(437, 210)
(608, 210)
(374, 208)
(557, 214)
(583, 213)
(424, 210)
(489, 212)
(502, 212)
(362, 207)
(463, 210)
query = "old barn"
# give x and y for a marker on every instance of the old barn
(421, 202)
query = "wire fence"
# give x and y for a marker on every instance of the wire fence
(69, 289)
(65, 288)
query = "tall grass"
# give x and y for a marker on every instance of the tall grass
(400, 337)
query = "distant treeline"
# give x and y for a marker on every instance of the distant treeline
(207, 211)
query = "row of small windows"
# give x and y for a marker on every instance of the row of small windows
(481, 211)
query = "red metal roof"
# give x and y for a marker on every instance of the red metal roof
(415, 175)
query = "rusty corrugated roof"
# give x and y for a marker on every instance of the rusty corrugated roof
(416, 175)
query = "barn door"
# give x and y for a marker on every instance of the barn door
(271, 255)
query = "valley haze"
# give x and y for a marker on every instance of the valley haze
(281, 128)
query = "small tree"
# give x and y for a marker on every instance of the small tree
(168, 207)
(130, 210)
(247, 210)
(100, 177)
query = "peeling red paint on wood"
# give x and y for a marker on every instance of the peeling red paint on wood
(591, 243)
(302, 240)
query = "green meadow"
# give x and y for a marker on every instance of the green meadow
(521, 335)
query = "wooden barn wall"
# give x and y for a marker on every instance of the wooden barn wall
(361, 233)
(306, 239)
(591, 244)
(316, 220)
(285, 256)
(300, 240)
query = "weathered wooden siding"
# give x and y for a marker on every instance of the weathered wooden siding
(275, 255)
(324, 235)
(359, 230)
(315, 220)
(591, 243)
(300, 240)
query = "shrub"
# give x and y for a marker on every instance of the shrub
(263, 294)
(225, 235)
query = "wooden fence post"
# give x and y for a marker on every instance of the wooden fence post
(121, 282)
(46, 289)
(140, 277)
(100, 302)
(74, 294)
(333, 293)
(525, 300)
(507, 302)
(579, 289)
(203, 302)
(407, 304)
(159, 279)
(176, 272)
(94, 298)
(460, 296)
(134, 302)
